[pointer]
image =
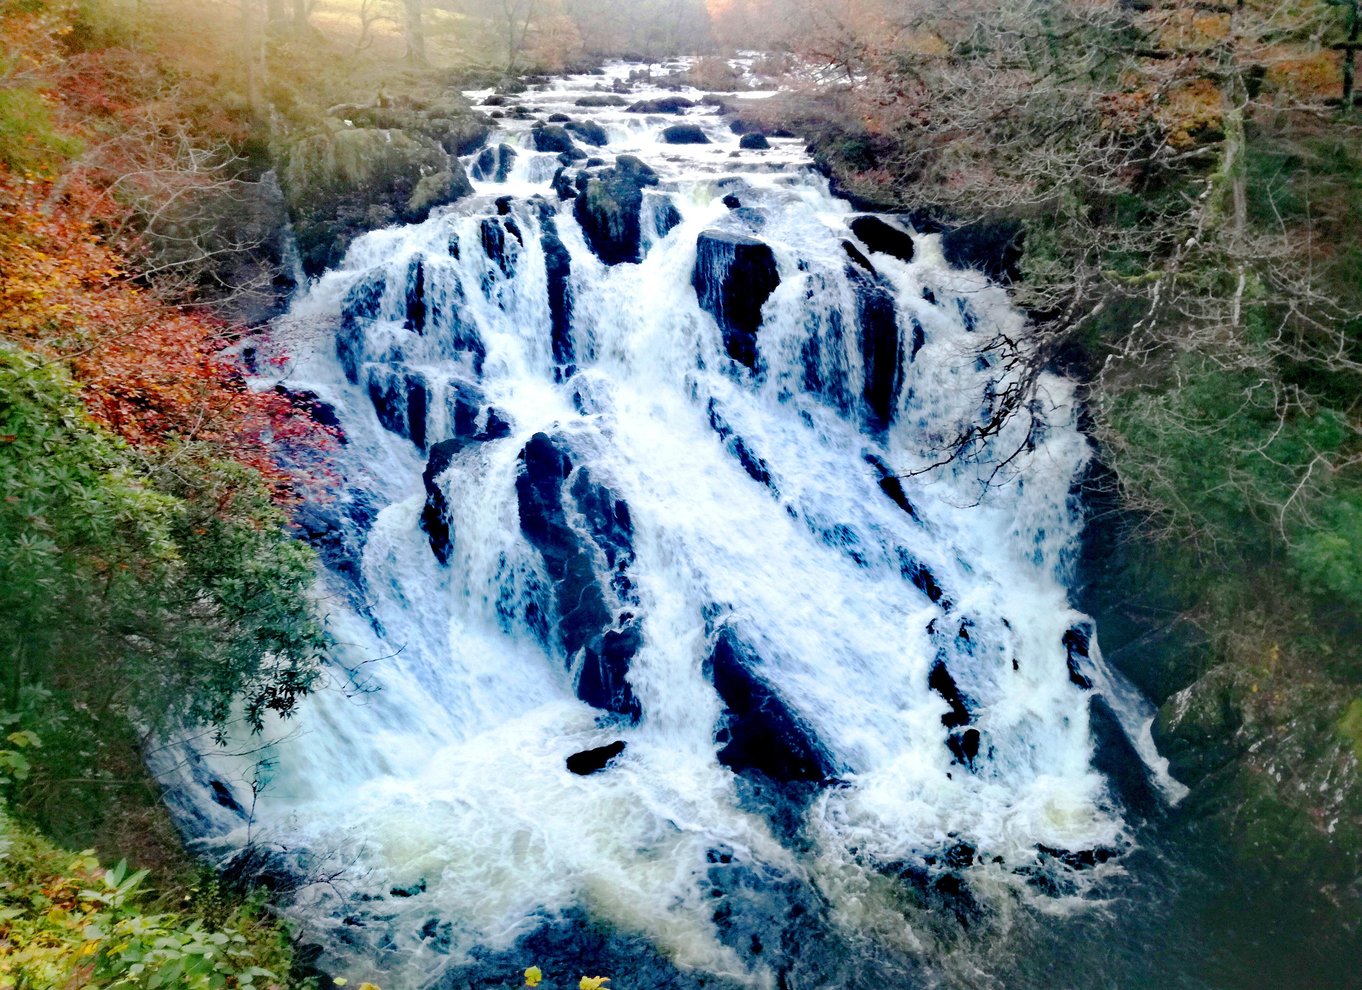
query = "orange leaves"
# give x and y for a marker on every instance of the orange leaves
(151, 372)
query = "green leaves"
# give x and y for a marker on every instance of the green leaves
(157, 586)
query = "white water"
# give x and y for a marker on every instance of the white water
(446, 763)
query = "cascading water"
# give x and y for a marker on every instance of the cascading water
(630, 475)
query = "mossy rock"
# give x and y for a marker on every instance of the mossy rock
(347, 180)
(447, 119)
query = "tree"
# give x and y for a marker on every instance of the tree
(414, 31)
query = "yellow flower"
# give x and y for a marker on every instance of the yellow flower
(533, 975)
(593, 982)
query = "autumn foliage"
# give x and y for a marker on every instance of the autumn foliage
(150, 372)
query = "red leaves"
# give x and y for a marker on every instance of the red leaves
(151, 372)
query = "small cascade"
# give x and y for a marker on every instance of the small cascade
(645, 592)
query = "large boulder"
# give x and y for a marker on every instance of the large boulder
(881, 347)
(345, 181)
(684, 134)
(667, 104)
(602, 100)
(598, 639)
(608, 209)
(759, 731)
(588, 132)
(494, 164)
(734, 276)
(553, 139)
(401, 399)
(883, 237)
(754, 142)
(444, 117)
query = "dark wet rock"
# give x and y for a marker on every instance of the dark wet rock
(571, 157)
(921, 577)
(311, 405)
(588, 132)
(362, 303)
(667, 104)
(883, 237)
(559, 118)
(586, 619)
(1116, 759)
(939, 887)
(756, 468)
(965, 746)
(854, 253)
(594, 163)
(759, 731)
(666, 217)
(754, 142)
(939, 679)
(590, 761)
(602, 100)
(337, 530)
(1077, 642)
(732, 202)
(992, 247)
(553, 139)
(734, 276)
(222, 796)
(684, 134)
(494, 164)
(415, 318)
(472, 421)
(401, 399)
(497, 100)
(890, 484)
(609, 206)
(411, 890)
(919, 338)
(1077, 859)
(496, 235)
(602, 680)
(881, 347)
(562, 184)
(348, 180)
(438, 935)
(558, 268)
(967, 315)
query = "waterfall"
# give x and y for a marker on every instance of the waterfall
(638, 569)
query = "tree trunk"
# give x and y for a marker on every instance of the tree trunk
(414, 31)
(1350, 53)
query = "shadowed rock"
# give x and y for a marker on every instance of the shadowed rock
(684, 134)
(608, 209)
(759, 731)
(883, 237)
(590, 761)
(667, 104)
(734, 276)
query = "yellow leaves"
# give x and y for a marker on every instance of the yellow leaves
(534, 976)
(341, 981)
